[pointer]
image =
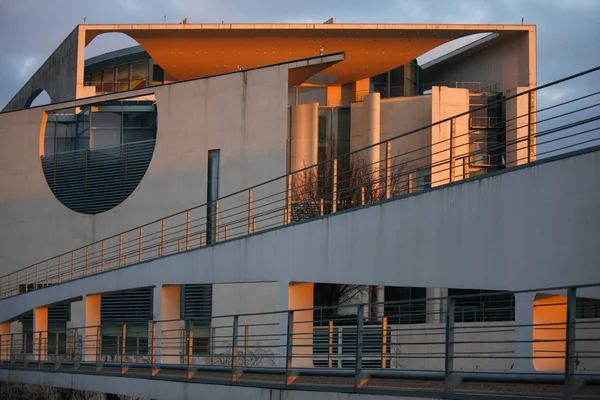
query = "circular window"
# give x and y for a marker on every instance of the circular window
(94, 160)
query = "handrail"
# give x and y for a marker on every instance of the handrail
(345, 181)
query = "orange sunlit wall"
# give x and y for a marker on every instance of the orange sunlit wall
(549, 356)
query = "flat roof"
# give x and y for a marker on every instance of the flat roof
(189, 51)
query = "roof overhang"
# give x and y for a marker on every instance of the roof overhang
(189, 51)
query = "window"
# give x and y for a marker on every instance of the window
(405, 305)
(476, 305)
(123, 78)
(212, 194)
(419, 180)
(139, 75)
(108, 79)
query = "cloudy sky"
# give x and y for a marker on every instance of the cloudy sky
(30, 30)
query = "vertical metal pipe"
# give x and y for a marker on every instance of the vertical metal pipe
(190, 350)
(289, 354)
(59, 269)
(201, 239)
(226, 232)
(234, 346)
(72, 267)
(36, 276)
(449, 344)
(334, 194)
(388, 169)
(322, 206)
(102, 256)
(187, 230)
(250, 227)
(358, 379)
(141, 244)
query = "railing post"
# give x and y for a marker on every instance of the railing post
(330, 349)
(187, 230)
(234, 349)
(85, 269)
(153, 345)
(102, 256)
(384, 331)
(334, 186)
(26, 279)
(141, 244)
(289, 349)
(246, 340)
(359, 378)
(288, 208)
(124, 350)
(47, 272)
(59, 268)
(529, 124)
(72, 267)
(250, 222)
(161, 248)
(201, 239)
(226, 232)
(120, 250)
(322, 206)
(190, 349)
(388, 169)
(451, 159)
(8, 286)
(572, 384)
(216, 221)
(450, 381)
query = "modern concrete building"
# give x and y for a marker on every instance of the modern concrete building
(201, 111)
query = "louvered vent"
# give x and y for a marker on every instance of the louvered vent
(197, 303)
(127, 307)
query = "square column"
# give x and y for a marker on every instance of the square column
(524, 332)
(40, 333)
(297, 296)
(167, 344)
(92, 332)
(5, 341)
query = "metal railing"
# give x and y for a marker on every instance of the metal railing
(389, 169)
(362, 346)
(103, 87)
(92, 181)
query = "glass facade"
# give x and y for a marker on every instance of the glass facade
(123, 77)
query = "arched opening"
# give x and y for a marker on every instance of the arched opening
(38, 97)
(115, 63)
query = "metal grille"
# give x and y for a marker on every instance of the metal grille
(92, 181)
(197, 303)
(127, 307)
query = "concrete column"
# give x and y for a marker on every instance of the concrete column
(524, 334)
(91, 331)
(446, 103)
(304, 136)
(517, 130)
(40, 333)
(5, 341)
(436, 308)
(168, 311)
(297, 296)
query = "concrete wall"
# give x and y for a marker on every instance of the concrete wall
(57, 75)
(167, 390)
(242, 114)
(528, 233)
(508, 62)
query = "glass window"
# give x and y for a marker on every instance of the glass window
(139, 75)
(158, 76)
(106, 129)
(108, 79)
(96, 80)
(123, 78)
